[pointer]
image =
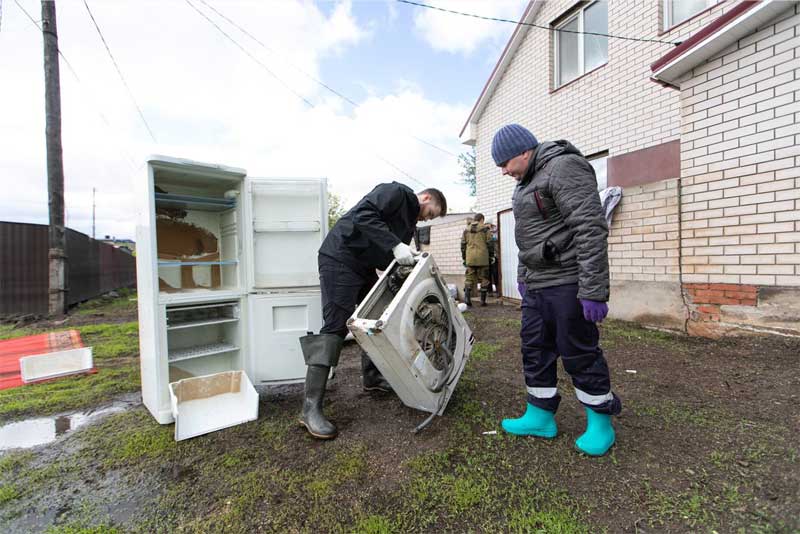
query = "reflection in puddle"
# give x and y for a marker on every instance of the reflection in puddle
(33, 432)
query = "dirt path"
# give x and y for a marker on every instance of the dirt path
(707, 441)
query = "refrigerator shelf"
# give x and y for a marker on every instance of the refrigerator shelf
(188, 263)
(166, 200)
(199, 351)
(193, 324)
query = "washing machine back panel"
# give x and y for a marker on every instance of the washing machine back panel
(419, 340)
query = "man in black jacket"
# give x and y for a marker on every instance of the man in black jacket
(368, 237)
(562, 237)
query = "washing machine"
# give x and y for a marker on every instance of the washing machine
(411, 328)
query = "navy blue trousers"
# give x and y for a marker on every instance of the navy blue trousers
(553, 325)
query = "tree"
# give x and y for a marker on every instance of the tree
(466, 160)
(335, 209)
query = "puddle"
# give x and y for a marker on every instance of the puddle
(44, 430)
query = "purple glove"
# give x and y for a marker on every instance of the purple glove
(521, 288)
(594, 311)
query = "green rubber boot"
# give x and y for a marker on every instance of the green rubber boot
(536, 422)
(599, 435)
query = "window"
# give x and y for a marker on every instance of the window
(578, 53)
(677, 11)
(598, 162)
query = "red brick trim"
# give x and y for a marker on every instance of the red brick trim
(707, 298)
(704, 32)
(645, 166)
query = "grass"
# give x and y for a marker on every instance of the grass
(115, 349)
(125, 303)
(483, 351)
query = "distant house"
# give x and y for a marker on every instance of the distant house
(124, 244)
(703, 137)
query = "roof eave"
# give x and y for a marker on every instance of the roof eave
(514, 41)
(742, 20)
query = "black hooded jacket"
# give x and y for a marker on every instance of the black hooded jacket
(364, 237)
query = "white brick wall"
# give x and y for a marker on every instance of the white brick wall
(741, 195)
(616, 107)
(446, 246)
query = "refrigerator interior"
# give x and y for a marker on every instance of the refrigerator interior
(198, 226)
(203, 339)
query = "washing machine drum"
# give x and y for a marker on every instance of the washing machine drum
(412, 330)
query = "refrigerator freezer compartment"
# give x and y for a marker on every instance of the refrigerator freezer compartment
(208, 403)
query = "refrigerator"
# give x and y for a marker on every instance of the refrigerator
(227, 275)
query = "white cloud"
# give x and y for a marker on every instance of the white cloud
(204, 100)
(460, 34)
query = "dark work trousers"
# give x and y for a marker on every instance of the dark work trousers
(553, 325)
(342, 290)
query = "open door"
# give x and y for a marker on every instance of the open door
(288, 223)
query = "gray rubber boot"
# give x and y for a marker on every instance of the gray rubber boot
(321, 352)
(372, 379)
(483, 297)
(467, 299)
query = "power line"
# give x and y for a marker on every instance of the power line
(308, 103)
(251, 56)
(119, 71)
(541, 27)
(320, 82)
(78, 79)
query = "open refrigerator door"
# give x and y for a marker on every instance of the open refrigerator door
(411, 328)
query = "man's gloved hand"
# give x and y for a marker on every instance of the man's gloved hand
(521, 288)
(594, 311)
(464, 263)
(403, 254)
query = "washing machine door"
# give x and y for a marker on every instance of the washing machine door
(411, 328)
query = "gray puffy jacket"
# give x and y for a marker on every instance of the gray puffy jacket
(560, 229)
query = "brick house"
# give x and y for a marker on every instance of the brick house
(701, 136)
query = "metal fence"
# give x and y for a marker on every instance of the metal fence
(93, 268)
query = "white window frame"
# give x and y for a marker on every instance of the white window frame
(599, 156)
(581, 63)
(669, 23)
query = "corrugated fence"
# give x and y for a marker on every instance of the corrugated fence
(93, 268)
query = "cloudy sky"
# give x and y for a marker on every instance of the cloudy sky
(411, 75)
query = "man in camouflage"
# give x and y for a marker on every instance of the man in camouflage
(477, 253)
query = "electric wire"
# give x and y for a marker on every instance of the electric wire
(289, 88)
(314, 79)
(119, 71)
(532, 25)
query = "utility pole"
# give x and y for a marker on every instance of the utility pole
(93, 210)
(55, 165)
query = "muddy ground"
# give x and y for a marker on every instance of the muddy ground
(707, 442)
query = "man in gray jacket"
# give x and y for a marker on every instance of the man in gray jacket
(562, 237)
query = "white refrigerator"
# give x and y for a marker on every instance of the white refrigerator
(227, 275)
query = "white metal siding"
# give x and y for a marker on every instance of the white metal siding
(508, 255)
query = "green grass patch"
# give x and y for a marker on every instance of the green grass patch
(68, 393)
(631, 333)
(374, 524)
(12, 462)
(7, 331)
(110, 341)
(677, 414)
(130, 438)
(8, 493)
(483, 351)
(516, 324)
(81, 528)
(125, 303)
